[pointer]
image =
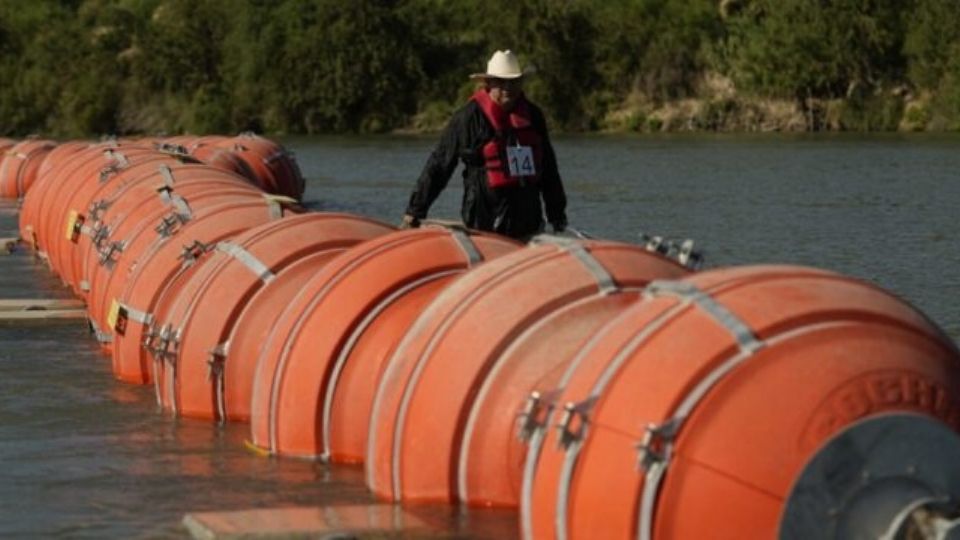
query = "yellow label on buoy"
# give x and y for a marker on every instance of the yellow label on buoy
(74, 225)
(114, 313)
(71, 220)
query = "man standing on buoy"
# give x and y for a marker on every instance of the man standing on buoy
(509, 164)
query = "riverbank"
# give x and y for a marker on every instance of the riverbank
(718, 107)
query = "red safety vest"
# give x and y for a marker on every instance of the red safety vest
(514, 128)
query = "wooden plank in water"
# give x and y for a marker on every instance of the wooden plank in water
(353, 521)
(42, 317)
(39, 304)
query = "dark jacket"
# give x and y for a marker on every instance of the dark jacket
(512, 211)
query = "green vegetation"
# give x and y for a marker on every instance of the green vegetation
(87, 67)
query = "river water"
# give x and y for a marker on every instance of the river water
(84, 456)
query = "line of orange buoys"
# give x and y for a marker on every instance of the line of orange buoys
(606, 390)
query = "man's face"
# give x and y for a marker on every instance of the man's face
(504, 92)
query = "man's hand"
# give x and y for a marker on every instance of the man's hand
(559, 226)
(409, 222)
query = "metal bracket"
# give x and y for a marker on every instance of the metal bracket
(167, 344)
(654, 447)
(573, 422)
(120, 162)
(215, 362)
(107, 252)
(682, 251)
(99, 233)
(170, 223)
(194, 251)
(95, 211)
(532, 417)
(175, 150)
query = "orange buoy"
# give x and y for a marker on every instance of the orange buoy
(224, 159)
(19, 168)
(131, 311)
(253, 327)
(106, 161)
(296, 377)
(64, 157)
(154, 204)
(434, 375)
(194, 325)
(275, 167)
(5, 144)
(108, 266)
(117, 254)
(64, 252)
(692, 413)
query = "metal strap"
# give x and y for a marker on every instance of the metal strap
(102, 337)
(215, 364)
(467, 245)
(164, 192)
(688, 292)
(256, 266)
(134, 314)
(181, 206)
(656, 447)
(605, 281)
(167, 175)
(275, 204)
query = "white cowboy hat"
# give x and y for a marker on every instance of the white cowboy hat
(502, 65)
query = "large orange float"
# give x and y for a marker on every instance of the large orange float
(84, 205)
(253, 327)
(127, 221)
(130, 315)
(5, 144)
(18, 171)
(693, 413)
(296, 378)
(66, 157)
(224, 159)
(273, 165)
(91, 164)
(61, 154)
(424, 400)
(199, 319)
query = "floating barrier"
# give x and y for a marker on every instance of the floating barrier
(158, 219)
(18, 171)
(271, 163)
(80, 208)
(154, 205)
(605, 389)
(297, 375)
(708, 396)
(422, 408)
(253, 327)
(166, 264)
(190, 363)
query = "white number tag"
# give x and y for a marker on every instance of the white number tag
(520, 161)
